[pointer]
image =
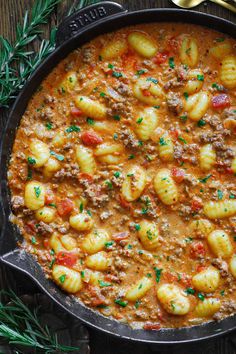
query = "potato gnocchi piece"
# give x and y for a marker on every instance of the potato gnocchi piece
(232, 266)
(208, 307)
(68, 242)
(81, 222)
(146, 123)
(55, 243)
(69, 82)
(85, 159)
(142, 43)
(173, 299)
(165, 187)
(134, 183)
(40, 153)
(95, 241)
(34, 195)
(45, 214)
(228, 72)
(114, 49)
(220, 243)
(207, 280)
(201, 227)
(220, 50)
(233, 165)
(51, 166)
(197, 105)
(139, 289)
(148, 92)
(67, 279)
(148, 235)
(166, 148)
(207, 157)
(91, 108)
(219, 210)
(195, 81)
(59, 139)
(100, 261)
(109, 153)
(189, 52)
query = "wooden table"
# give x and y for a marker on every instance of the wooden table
(11, 12)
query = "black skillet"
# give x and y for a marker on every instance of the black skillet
(76, 30)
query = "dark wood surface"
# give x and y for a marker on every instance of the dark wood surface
(11, 11)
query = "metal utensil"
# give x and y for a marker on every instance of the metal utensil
(187, 4)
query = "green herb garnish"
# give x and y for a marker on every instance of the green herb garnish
(37, 191)
(121, 302)
(73, 128)
(171, 63)
(57, 156)
(158, 274)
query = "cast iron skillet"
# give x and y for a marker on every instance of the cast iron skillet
(74, 32)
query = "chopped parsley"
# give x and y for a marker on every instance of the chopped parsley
(184, 118)
(29, 175)
(31, 161)
(140, 72)
(110, 66)
(219, 194)
(62, 278)
(48, 125)
(100, 57)
(190, 291)
(129, 247)
(186, 95)
(81, 207)
(188, 239)
(33, 240)
(121, 302)
(130, 175)
(234, 238)
(144, 211)
(162, 142)
(140, 143)
(72, 128)
(52, 263)
(148, 275)
(158, 274)
(90, 121)
(37, 191)
(117, 74)
(109, 244)
(137, 304)
(205, 179)
(201, 296)
(200, 77)
(52, 252)
(140, 286)
(102, 94)
(82, 274)
(131, 157)
(109, 184)
(137, 227)
(171, 63)
(220, 39)
(116, 117)
(52, 205)
(217, 87)
(157, 107)
(103, 284)
(231, 196)
(182, 139)
(117, 174)
(139, 120)
(57, 156)
(89, 213)
(115, 136)
(154, 81)
(222, 292)
(201, 123)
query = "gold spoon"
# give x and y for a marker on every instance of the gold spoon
(187, 4)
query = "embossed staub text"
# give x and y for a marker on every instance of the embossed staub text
(86, 18)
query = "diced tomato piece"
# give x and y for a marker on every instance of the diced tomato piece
(174, 134)
(185, 280)
(120, 236)
(196, 205)
(124, 203)
(177, 174)
(146, 93)
(229, 170)
(46, 243)
(64, 207)
(76, 112)
(197, 249)
(200, 268)
(86, 176)
(49, 197)
(160, 57)
(220, 101)
(90, 138)
(67, 259)
(170, 277)
(96, 298)
(151, 326)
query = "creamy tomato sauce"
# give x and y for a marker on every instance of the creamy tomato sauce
(122, 175)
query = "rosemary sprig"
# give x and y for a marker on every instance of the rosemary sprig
(18, 63)
(21, 326)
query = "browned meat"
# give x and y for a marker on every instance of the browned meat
(222, 266)
(128, 138)
(174, 103)
(17, 202)
(69, 171)
(43, 228)
(95, 193)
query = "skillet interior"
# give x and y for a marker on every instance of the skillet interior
(17, 258)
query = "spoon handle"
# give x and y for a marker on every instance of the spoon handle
(224, 4)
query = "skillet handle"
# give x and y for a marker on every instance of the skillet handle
(85, 17)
